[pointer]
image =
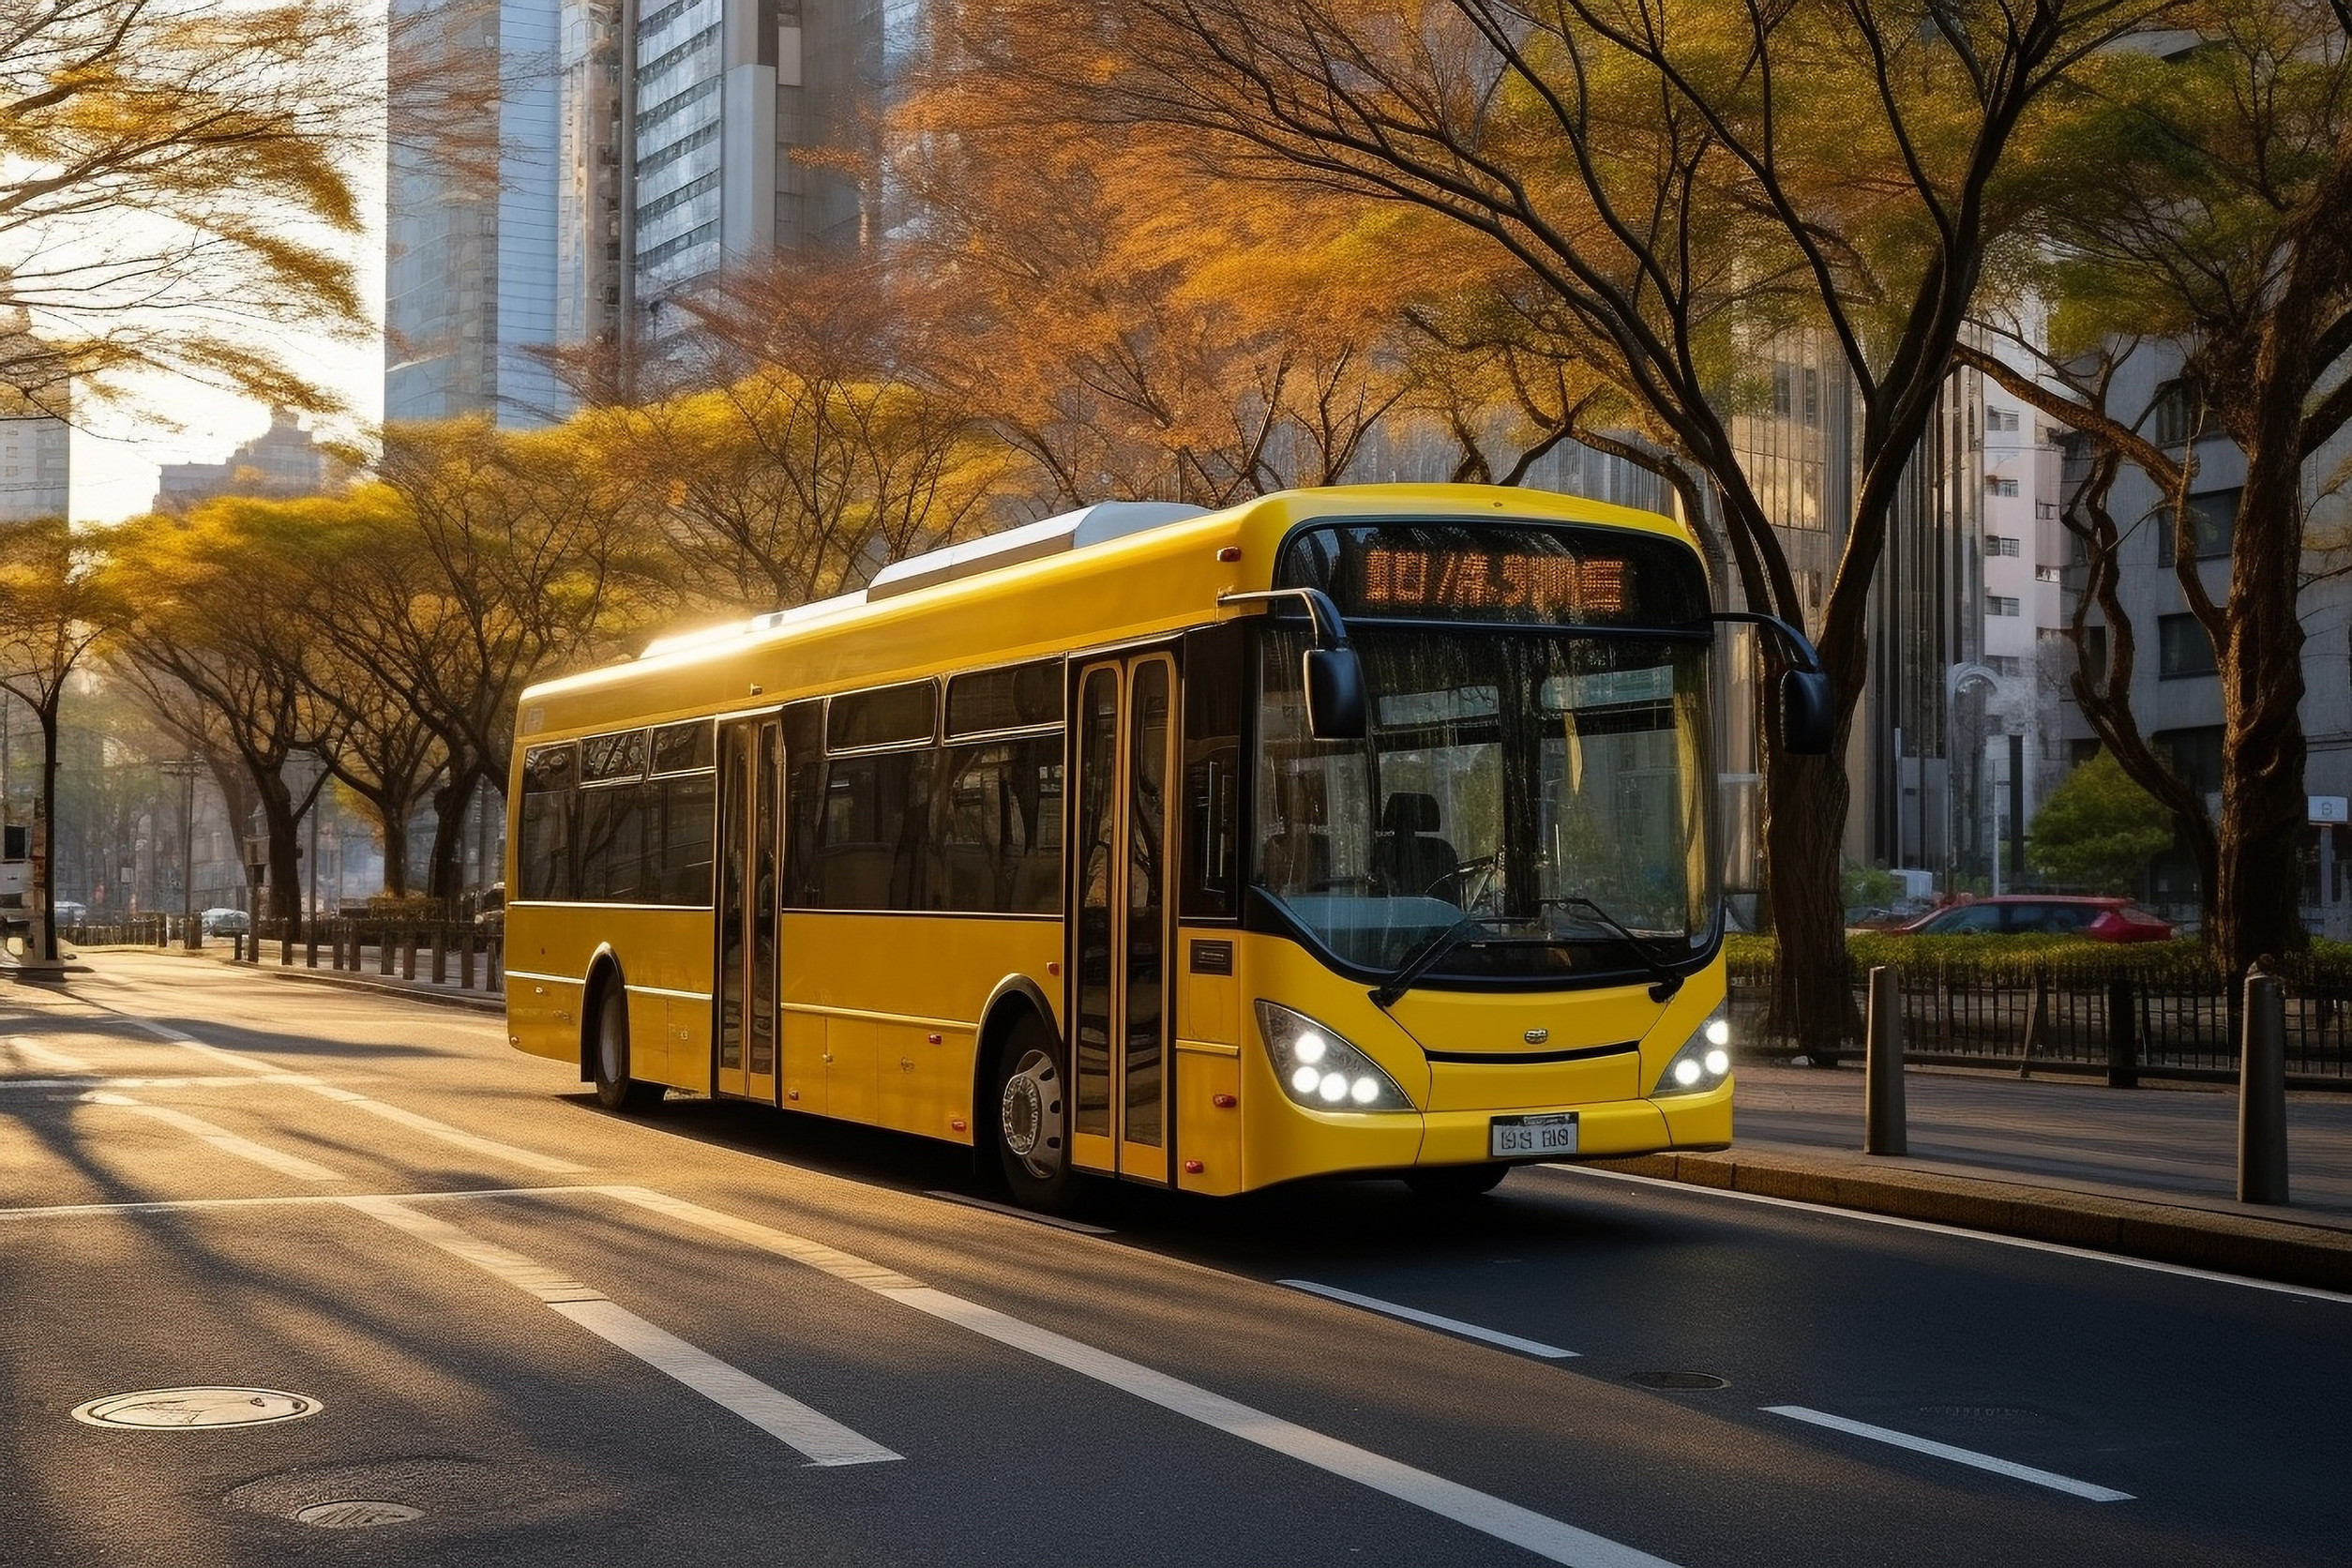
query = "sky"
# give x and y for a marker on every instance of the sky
(115, 452)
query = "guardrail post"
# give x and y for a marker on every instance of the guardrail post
(2262, 1092)
(1883, 1121)
(2123, 1033)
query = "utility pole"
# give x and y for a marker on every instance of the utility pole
(185, 770)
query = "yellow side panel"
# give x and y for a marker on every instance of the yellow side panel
(804, 1060)
(1208, 1134)
(853, 1053)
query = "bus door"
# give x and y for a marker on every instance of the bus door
(1119, 901)
(750, 774)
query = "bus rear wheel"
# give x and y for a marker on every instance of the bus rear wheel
(1453, 1183)
(1033, 1138)
(615, 1089)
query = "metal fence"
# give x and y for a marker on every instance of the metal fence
(463, 953)
(2083, 1015)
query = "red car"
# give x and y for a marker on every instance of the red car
(2050, 913)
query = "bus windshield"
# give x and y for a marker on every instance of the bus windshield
(1551, 785)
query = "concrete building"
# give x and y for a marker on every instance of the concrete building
(36, 461)
(470, 264)
(2176, 694)
(283, 460)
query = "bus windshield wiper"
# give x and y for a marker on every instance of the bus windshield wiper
(1667, 981)
(1425, 958)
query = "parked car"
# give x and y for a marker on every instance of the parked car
(70, 913)
(220, 922)
(2049, 913)
(491, 916)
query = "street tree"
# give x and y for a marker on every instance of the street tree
(2198, 197)
(55, 605)
(2099, 830)
(217, 611)
(173, 191)
(500, 558)
(1678, 186)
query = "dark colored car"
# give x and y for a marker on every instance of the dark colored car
(2047, 914)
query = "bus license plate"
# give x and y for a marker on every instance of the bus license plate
(1552, 1134)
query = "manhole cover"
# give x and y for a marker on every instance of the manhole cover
(357, 1515)
(1680, 1380)
(197, 1407)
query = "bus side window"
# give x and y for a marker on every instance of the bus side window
(804, 800)
(1213, 706)
(544, 858)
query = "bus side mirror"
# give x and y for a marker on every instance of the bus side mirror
(1334, 694)
(1804, 712)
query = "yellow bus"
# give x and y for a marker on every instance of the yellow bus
(1351, 830)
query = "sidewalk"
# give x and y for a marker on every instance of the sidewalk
(2145, 1173)
(448, 993)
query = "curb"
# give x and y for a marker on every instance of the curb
(2277, 1250)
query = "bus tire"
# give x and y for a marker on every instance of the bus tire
(608, 1054)
(1032, 1110)
(1452, 1183)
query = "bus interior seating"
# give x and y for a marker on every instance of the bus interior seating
(1297, 854)
(1410, 857)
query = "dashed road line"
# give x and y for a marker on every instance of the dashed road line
(1546, 1537)
(222, 1139)
(55, 1061)
(816, 1437)
(1946, 1450)
(1431, 1319)
(530, 1159)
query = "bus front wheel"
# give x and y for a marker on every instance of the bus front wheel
(615, 1089)
(1032, 1119)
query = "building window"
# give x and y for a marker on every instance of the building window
(1999, 544)
(2175, 417)
(1997, 419)
(2006, 664)
(2195, 755)
(2213, 519)
(2000, 604)
(1995, 485)
(2045, 574)
(2182, 647)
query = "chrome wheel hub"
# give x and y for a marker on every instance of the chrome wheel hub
(1029, 1116)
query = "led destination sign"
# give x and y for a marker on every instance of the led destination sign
(1459, 582)
(1500, 573)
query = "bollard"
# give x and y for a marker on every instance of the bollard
(1883, 1131)
(465, 960)
(2262, 1092)
(441, 955)
(311, 949)
(494, 964)
(2037, 1021)
(383, 952)
(2123, 1035)
(408, 955)
(237, 947)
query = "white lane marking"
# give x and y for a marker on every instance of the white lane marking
(1431, 1319)
(1034, 1218)
(174, 1205)
(93, 1082)
(2026, 1244)
(1946, 1450)
(55, 1061)
(1545, 1537)
(528, 1158)
(816, 1437)
(222, 1138)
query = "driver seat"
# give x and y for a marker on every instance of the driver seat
(1410, 856)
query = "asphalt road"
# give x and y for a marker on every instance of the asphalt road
(721, 1335)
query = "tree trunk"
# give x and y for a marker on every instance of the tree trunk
(446, 871)
(285, 860)
(1805, 817)
(393, 823)
(2257, 909)
(47, 714)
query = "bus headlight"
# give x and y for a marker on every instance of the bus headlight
(1319, 1070)
(1702, 1064)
